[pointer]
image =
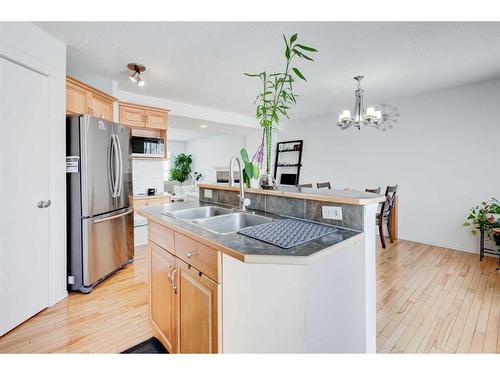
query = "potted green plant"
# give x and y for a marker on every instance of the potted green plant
(485, 216)
(251, 171)
(181, 169)
(276, 97)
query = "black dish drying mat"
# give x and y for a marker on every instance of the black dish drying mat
(150, 346)
(287, 233)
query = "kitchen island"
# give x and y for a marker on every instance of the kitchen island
(228, 293)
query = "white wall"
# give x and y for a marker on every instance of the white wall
(175, 148)
(443, 155)
(213, 152)
(30, 46)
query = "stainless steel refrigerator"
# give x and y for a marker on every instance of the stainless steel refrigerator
(100, 220)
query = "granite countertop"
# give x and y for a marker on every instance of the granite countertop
(248, 249)
(353, 197)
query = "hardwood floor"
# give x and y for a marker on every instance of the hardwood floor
(436, 300)
(429, 300)
(112, 318)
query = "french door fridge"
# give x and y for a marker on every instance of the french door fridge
(100, 220)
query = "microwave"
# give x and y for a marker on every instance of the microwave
(147, 147)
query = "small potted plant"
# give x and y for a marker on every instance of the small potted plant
(181, 169)
(485, 216)
(251, 170)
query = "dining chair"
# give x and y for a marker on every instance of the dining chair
(322, 185)
(375, 191)
(305, 186)
(384, 216)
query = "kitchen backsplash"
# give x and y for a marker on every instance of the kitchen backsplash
(147, 174)
(352, 215)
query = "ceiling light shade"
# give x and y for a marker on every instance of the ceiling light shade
(135, 75)
(203, 126)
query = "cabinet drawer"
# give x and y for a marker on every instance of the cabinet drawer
(198, 255)
(162, 236)
(140, 203)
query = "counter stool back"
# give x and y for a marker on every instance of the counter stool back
(383, 216)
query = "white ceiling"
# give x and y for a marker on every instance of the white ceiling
(202, 63)
(185, 129)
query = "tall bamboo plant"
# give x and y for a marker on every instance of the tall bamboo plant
(277, 94)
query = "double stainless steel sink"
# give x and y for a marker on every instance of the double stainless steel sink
(218, 219)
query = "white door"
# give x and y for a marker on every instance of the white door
(24, 181)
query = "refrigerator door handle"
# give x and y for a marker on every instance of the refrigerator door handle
(120, 169)
(116, 168)
(110, 167)
(112, 217)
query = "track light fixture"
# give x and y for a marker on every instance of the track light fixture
(135, 75)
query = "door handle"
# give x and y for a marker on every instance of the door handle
(44, 204)
(174, 287)
(116, 155)
(112, 217)
(120, 169)
(169, 276)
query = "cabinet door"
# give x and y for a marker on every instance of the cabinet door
(156, 119)
(198, 311)
(101, 107)
(163, 297)
(131, 116)
(76, 99)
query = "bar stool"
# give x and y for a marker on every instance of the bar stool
(383, 216)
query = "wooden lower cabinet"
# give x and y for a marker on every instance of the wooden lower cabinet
(163, 310)
(184, 304)
(198, 325)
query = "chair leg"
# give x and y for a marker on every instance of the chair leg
(381, 233)
(391, 236)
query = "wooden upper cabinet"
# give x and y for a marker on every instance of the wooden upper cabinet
(156, 119)
(198, 311)
(84, 99)
(164, 297)
(101, 108)
(76, 99)
(143, 117)
(131, 116)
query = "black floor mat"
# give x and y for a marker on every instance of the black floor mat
(150, 346)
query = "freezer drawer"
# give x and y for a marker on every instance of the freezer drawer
(108, 244)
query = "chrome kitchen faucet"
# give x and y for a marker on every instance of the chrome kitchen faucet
(244, 202)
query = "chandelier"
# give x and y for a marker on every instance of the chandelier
(371, 116)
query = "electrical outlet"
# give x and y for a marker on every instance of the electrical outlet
(207, 193)
(331, 212)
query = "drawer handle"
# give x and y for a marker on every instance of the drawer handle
(191, 253)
